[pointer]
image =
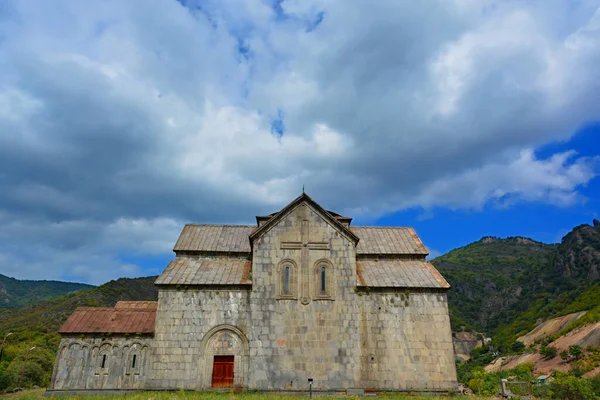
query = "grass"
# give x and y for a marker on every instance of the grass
(37, 394)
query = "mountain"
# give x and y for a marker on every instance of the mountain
(506, 287)
(36, 325)
(47, 316)
(15, 293)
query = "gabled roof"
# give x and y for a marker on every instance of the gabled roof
(399, 274)
(150, 305)
(111, 320)
(388, 240)
(206, 271)
(215, 238)
(303, 198)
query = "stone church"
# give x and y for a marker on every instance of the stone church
(300, 295)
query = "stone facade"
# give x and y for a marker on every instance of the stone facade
(302, 311)
(88, 362)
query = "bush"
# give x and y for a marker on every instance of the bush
(23, 374)
(575, 351)
(476, 384)
(564, 355)
(549, 351)
(569, 387)
(518, 347)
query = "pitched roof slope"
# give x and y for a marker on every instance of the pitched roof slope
(388, 240)
(150, 305)
(110, 320)
(235, 239)
(206, 271)
(215, 238)
(399, 274)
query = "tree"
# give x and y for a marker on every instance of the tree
(575, 351)
(569, 387)
(564, 355)
(518, 347)
(549, 351)
(476, 384)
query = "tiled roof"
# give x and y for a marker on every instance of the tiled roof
(215, 238)
(110, 320)
(234, 239)
(206, 272)
(399, 274)
(388, 240)
(150, 305)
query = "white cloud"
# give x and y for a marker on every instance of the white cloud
(123, 122)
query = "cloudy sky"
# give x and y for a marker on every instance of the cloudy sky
(122, 120)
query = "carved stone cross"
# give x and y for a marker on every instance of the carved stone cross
(305, 246)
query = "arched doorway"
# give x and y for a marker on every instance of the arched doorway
(223, 358)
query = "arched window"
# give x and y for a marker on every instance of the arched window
(134, 362)
(323, 282)
(287, 286)
(103, 361)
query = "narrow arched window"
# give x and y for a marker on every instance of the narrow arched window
(286, 285)
(103, 361)
(133, 360)
(323, 280)
(287, 281)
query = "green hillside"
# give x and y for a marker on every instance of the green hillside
(505, 287)
(16, 293)
(35, 326)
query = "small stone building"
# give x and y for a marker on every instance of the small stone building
(302, 294)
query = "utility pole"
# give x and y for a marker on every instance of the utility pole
(3, 343)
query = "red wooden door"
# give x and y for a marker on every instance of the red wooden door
(222, 372)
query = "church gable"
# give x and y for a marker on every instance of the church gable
(307, 201)
(302, 255)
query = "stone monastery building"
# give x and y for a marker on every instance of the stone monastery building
(301, 294)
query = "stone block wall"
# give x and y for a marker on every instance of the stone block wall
(87, 362)
(342, 339)
(406, 341)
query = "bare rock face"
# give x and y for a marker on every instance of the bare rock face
(464, 342)
(578, 255)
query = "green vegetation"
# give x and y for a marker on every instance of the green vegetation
(522, 382)
(37, 395)
(28, 357)
(15, 293)
(549, 351)
(505, 287)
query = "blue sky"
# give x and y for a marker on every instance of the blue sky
(119, 124)
(444, 230)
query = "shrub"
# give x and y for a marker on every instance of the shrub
(518, 347)
(575, 351)
(476, 384)
(23, 374)
(569, 387)
(549, 351)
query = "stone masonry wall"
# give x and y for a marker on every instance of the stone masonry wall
(79, 362)
(342, 339)
(406, 341)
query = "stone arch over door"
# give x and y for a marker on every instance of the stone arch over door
(225, 340)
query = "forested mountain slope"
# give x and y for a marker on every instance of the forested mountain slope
(505, 287)
(16, 293)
